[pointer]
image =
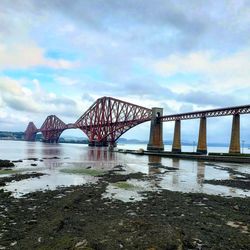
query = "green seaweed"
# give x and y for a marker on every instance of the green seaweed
(15, 171)
(124, 185)
(82, 171)
(8, 171)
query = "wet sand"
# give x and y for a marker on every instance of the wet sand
(79, 217)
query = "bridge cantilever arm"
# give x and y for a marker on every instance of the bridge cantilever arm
(132, 124)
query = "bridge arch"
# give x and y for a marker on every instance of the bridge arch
(109, 118)
(79, 135)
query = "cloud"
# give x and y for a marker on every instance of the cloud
(88, 98)
(183, 25)
(204, 98)
(60, 56)
(66, 80)
(14, 95)
(225, 73)
(115, 34)
(23, 56)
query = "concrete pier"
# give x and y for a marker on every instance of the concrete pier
(202, 140)
(176, 147)
(235, 135)
(155, 138)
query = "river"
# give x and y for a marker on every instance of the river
(65, 165)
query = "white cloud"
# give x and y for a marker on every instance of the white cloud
(14, 95)
(219, 73)
(114, 48)
(23, 56)
(66, 81)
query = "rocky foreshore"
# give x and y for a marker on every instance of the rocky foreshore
(78, 217)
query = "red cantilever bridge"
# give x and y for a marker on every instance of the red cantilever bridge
(103, 123)
(109, 118)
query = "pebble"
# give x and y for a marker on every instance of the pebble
(13, 243)
(236, 207)
(31, 222)
(81, 244)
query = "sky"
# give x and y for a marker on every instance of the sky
(59, 56)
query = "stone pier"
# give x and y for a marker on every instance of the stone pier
(235, 135)
(202, 141)
(155, 138)
(176, 147)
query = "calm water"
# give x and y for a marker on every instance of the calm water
(164, 173)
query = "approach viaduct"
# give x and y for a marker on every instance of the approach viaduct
(109, 118)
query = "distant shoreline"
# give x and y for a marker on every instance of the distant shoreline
(132, 141)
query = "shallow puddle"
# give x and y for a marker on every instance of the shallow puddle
(123, 194)
(47, 182)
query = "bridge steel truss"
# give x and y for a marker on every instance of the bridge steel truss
(52, 129)
(108, 118)
(207, 113)
(30, 132)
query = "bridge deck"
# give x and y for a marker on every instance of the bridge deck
(208, 113)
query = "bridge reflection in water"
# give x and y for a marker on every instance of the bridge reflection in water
(173, 169)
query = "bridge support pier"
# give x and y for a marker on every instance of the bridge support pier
(155, 138)
(98, 143)
(51, 140)
(30, 137)
(176, 147)
(235, 135)
(202, 141)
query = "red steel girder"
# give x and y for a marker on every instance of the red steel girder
(108, 118)
(208, 113)
(30, 132)
(52, 128)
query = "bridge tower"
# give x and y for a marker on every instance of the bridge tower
(52, 129)
(155, 137)
(30, 132)
(109, 118)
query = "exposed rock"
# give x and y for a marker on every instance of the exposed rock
(6, 164)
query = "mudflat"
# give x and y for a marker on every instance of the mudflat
(79, 217)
